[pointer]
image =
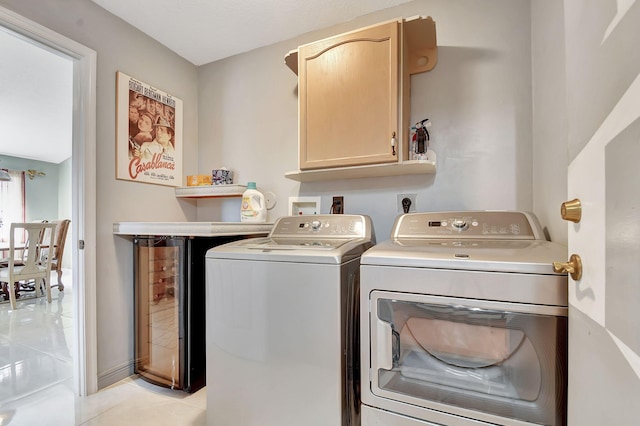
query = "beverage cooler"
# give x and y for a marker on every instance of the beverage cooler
(169, 299)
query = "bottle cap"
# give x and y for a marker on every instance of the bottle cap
(251, 185)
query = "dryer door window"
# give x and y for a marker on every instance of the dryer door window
(457, 354)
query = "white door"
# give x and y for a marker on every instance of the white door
(604, 305)
(603, 117)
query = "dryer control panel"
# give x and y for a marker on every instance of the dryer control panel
(468, 224)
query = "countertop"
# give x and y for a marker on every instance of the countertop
(191, 229)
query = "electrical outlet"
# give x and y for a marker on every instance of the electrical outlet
(402, 202)
(337, 207)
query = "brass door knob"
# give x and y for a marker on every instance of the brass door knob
(571, 210)
(573, 267)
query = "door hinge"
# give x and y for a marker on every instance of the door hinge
(81, 244)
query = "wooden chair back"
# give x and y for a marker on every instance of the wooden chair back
(33, 266)
(59, 240)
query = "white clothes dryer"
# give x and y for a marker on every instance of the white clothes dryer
(283, 324)
(464, 322)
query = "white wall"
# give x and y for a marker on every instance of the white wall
(64, 206)
(550, 128)
(121, 47)
(478, 98)
(41, 192)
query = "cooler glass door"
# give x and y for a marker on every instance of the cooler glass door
(159, 343)
(500, 359)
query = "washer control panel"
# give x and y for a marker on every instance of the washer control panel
(318, 226)
(470, 224)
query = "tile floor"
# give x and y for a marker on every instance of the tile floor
(36, 377)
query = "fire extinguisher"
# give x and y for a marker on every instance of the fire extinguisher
(421, 137)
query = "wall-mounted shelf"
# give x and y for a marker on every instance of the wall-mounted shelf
(414, 167)
(210, 191)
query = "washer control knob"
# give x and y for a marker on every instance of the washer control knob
(460, 224)
(315, 225)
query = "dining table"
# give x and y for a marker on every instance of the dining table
(4, 251)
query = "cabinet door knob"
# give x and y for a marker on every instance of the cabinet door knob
(571, 210)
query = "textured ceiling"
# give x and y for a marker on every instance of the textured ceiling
(204, 31)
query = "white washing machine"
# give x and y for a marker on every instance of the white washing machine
(464, 322)
(283, 324)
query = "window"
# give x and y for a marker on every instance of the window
(12, 202)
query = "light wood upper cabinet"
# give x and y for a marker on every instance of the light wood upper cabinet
(354, 94)
(348, 89)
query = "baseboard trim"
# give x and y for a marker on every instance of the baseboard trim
(116, 374)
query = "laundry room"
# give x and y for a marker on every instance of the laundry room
(513, 93)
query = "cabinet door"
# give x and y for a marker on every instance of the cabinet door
(348, 91)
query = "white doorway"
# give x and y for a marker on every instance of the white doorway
(83, 214)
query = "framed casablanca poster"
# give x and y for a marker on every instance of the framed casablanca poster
(148, 133)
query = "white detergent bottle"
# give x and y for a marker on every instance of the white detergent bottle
(253, 208)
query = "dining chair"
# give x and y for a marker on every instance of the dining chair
(34, 267)
(20, 255)
(60, 237)
(22, 252)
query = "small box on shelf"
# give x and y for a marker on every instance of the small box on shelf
(198, 180)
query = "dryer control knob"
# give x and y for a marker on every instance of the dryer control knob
(460, 224)
(315, 225)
